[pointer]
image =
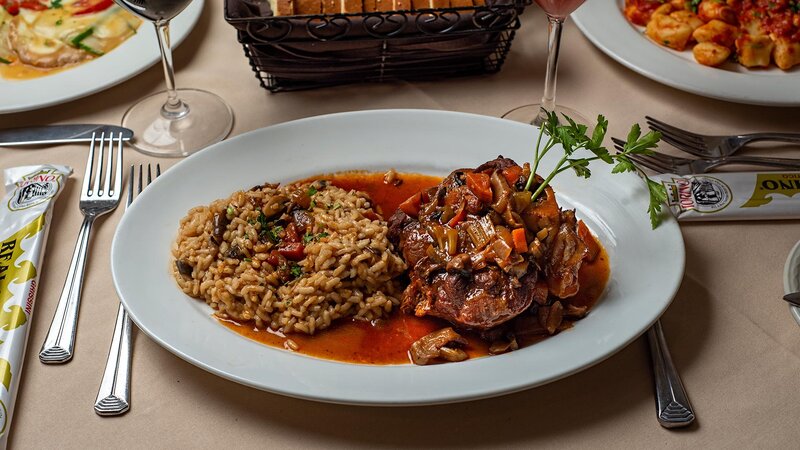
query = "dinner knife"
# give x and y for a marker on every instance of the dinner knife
(58, 134)
(793, 298)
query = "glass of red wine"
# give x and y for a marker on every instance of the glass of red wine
(557, 12)
(175, 122)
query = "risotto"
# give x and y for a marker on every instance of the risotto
(292, 258)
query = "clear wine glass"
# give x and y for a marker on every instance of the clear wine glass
(175, 122)
(557, 12)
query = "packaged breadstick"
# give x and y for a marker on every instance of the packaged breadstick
(25, 214)
(733, 195)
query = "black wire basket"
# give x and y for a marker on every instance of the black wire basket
(312, 51)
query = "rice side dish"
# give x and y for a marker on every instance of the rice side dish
(292, 258)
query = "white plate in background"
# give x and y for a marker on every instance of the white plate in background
(131, 57)
(604, 24)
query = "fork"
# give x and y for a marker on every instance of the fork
(715, 146)
(96, 200)
(114, 395)
(660, 162)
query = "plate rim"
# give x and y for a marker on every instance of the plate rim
(454, 398)
(600, 20)
(180, 28)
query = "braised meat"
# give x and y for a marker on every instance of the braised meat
(481, 252)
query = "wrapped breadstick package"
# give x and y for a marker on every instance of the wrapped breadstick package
(733, 195)
(25, 214)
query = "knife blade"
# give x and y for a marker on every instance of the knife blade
(793, 298)
(58, 134)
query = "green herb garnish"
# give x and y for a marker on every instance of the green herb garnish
(311, 191)
(295, 270)
(336, 206)
(229, 212)
(55, 4)
(308, 237)
(693, 4)
(4, 61)
(573, 137)
(274, 233)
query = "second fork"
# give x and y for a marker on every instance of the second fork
(97, 198)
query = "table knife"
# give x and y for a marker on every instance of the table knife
(58, 134)
(793, 298)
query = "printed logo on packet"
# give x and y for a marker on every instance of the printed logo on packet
(769, 184)
(699, 193)
(34, 189)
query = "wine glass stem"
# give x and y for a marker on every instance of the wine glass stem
(174, 108)
(553, 45)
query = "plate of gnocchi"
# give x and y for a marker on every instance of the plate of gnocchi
(743, 51)
(54, 51)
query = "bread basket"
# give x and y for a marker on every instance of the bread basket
(317, 50)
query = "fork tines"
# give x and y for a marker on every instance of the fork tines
(89, 189)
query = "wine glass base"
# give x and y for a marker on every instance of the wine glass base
(208, 121)
(530, 114)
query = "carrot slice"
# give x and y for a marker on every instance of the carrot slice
(460, 215)
(592, 246)
(520, 241)
(412, 205)
(512, 174)
(478, 183)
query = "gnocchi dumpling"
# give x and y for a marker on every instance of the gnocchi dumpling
(711, 54)
(754, 51)
(669, 32)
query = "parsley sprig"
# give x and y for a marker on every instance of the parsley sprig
(572, 137)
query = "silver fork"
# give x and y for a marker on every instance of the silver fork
(705, 146)
(96, 199)
(684, 166)
(114, 396)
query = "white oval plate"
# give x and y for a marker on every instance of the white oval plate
(791, 278)
(603, 23)
(130, 58)
(647, 266)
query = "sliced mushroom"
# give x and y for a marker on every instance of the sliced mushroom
(550, 317)
(503, 346)
(184, 268)
(220, 222)
(435, 345)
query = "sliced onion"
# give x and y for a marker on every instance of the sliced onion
(502, 252)
(501, 192)
(452, 241)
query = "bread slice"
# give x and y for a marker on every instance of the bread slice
(282, 7)
(308, 6)
(370, 5)
(402, 5)
(430, 4)
(342, 6)
(460, 3)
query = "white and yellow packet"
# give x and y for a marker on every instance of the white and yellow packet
(25, 214)
(733, 195)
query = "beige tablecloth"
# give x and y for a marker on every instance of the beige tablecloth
(731, 336)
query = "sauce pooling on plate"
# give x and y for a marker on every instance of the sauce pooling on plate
(387, 341)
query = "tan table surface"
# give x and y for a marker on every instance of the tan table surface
(732, 338)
